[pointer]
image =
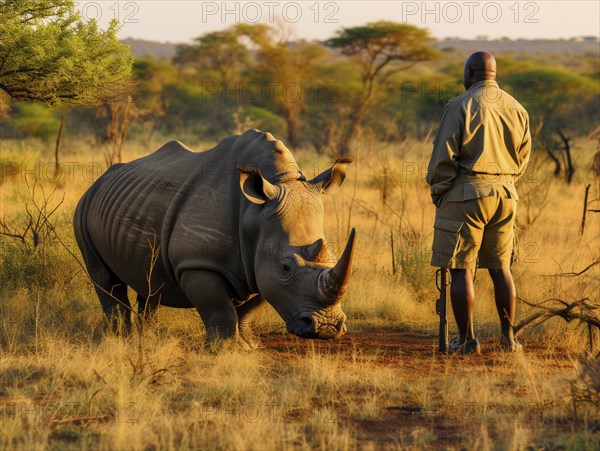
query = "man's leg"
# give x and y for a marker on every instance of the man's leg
(462, 294)
(496, 255)
(506, 301)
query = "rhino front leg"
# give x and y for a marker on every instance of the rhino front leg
(246, 314)
(207, 291)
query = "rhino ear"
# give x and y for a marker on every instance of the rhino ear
(330, 180)
(255, 187)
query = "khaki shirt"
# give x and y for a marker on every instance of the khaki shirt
(482, 145)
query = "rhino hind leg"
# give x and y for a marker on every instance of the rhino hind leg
(111, 290)
(207, 291)
(246, 314)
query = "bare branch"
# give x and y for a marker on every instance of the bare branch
(573, 274)
(581, 310)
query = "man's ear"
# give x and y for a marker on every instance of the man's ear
(255, 187)
(331, 179)
(468, 73)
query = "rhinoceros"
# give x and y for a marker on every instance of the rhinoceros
(222, 231)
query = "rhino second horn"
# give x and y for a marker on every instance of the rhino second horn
(333, 281)
(313, 251)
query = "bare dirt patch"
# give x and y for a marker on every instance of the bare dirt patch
(448, 420)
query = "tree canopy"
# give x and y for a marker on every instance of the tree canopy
(217, 51)
(374, 48)
(48, 53)
(556, 96)
(366, 79)
(375, 45)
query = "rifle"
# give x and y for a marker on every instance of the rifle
(442, 283)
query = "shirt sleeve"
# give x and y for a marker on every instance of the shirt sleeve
(524, 151)
(443, 165)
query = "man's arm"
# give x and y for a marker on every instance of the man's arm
(524, 151)
(443, 165)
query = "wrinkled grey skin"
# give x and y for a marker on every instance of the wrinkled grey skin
(233, 226)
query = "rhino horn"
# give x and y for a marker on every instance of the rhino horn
(333, 281)
(315, 251)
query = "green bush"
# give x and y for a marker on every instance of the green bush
(266, 120)
(34, 120)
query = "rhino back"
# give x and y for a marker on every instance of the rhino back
(158, 202)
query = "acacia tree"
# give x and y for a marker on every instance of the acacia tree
(287, 65)
(153, 79)
(217, 51)
(260, 51)
(557, 100)
(49, 54)
(374, 48)
(562, 97)
(218, 57)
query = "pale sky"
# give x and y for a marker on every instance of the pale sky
(181, 21)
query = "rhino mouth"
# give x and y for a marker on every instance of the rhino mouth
(318, 326)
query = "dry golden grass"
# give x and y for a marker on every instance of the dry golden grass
(66, 383)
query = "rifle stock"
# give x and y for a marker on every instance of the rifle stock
(441, 281)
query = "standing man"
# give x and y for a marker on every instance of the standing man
(481, 148)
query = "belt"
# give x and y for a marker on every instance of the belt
(466, 177)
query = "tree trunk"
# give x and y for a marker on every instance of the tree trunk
(124, 127)
(570, 168)
(356, 118)
(292, 120)
(57, 146)
(350, 132)
(114, 132)
(556, 162)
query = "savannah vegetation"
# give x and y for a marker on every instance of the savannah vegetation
(66, 382)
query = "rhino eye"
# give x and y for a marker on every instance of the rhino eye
(286, 267)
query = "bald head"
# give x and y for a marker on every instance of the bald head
(479, 66)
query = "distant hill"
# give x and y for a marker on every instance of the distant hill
(140, 47)
(583, 45)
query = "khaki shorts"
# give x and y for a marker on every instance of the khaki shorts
(464, 231)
